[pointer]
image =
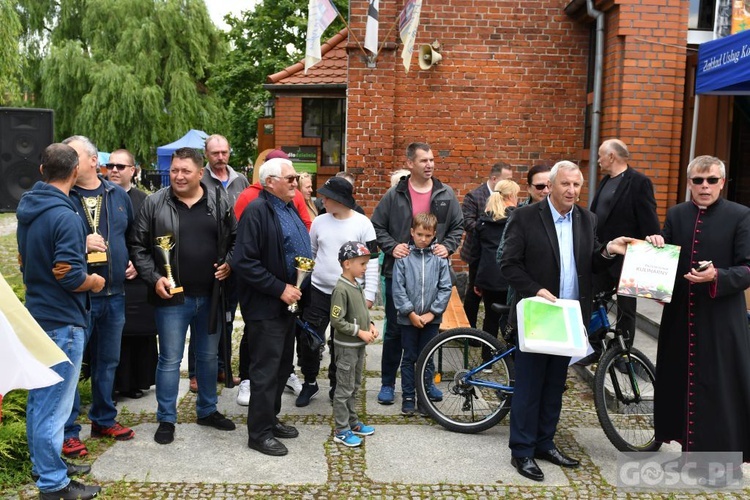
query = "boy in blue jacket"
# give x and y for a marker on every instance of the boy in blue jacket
(421, 291)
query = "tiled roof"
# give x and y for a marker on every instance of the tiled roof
(330, 70)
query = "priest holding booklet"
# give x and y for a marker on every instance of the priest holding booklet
(702, 399)
(551, 251)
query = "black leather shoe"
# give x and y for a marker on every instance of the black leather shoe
(270, 446)
(557, 457)
(284, 431)
(217, 421)
(73, 470)
(527, 467)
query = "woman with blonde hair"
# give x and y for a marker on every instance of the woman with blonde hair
(490, 283)
(305, 186)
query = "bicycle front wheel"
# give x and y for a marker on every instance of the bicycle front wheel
(624, 398)
(471, 402)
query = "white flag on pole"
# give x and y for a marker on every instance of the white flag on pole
(321, 14)
(371, 33)
(407, 26)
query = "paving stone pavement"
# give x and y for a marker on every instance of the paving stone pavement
(407, 457)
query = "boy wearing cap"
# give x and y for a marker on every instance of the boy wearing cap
(352, 331)
(329, 231)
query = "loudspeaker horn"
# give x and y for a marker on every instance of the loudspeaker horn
(429, 55)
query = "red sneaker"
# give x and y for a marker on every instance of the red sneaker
(117, 432)
(73, 447)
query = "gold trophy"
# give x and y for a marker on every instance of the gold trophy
(93, 209)
(304, 267)
(165, 244)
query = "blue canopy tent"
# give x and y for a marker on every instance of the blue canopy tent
(723, 69)
(193, 139)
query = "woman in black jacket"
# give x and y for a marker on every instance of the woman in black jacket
(490, 283)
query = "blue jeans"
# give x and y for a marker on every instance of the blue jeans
(171, 324)
(391, 339)
(47, 409)
(413, 341)
(104, 337)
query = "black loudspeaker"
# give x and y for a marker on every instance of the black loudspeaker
(24, 133)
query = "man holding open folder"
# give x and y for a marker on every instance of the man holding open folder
(550, 252)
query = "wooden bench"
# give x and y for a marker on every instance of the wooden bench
(454, 316)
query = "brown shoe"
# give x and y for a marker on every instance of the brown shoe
(222, 376)
(193, 384)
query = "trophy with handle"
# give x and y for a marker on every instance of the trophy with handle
(165, 244)
(304, 267)
(93, 209)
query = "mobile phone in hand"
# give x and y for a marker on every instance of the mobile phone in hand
(703, 266)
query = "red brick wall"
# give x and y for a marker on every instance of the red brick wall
(511, 86)
(644, 83)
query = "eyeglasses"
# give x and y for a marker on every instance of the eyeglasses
(699, 180)
(117, 166)
(539, 187)
(289, 178)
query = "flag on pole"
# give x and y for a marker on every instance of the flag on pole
(321, 14)
(27, 351)
(371, 33)
(407, 26)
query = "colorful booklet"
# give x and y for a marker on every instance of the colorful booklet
(551, 327)
(648, 271)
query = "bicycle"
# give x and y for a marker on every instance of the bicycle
(478, 386)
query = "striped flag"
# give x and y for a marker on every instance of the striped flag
(371, 33)
(321, 14)
(407, 27)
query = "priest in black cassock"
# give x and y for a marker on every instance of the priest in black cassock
(702, 395)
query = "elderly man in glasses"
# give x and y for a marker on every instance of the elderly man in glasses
(624, 204)
(270, 236)
(702, 399)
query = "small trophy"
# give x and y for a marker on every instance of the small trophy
(304, 267)
(166, 244)
(93, 209)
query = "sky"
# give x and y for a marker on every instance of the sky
(217, 9)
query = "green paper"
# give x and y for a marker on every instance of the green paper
(543, 321)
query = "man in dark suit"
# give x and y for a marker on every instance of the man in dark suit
(624, 205)
(473, 207)
(550, 251)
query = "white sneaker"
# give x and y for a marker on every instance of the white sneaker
(243, 395)
(293, 384)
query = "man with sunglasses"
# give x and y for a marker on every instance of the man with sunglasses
(702, 399)
(624, 204)
(473, 207)
(107, 213)
(270, 236)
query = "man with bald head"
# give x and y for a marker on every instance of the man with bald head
(269, 237)
(624, 204)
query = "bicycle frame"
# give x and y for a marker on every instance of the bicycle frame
(469, 379)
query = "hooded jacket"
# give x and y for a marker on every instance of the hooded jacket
(51, 247)
(421, 283)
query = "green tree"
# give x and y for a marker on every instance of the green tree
(264, 40)
(127, 73)
(11, 63)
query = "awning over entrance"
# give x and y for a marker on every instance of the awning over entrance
(724, 66)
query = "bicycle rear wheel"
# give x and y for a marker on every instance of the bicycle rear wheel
(467, 406)
(624, 398)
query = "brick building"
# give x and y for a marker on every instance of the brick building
(516, 83)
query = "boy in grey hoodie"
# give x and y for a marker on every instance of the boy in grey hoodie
(421, 291)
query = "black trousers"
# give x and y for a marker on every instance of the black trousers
(318, 314)
(493, 322)
(471, 299)
(271, 353)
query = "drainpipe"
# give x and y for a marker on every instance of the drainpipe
(596, 111)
